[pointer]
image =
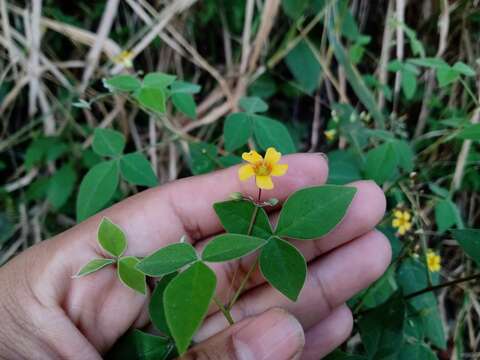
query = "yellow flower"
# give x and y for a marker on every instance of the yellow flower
(433, 261)
(263, 169)
(330, 134)
(124, 58)
(401, 221)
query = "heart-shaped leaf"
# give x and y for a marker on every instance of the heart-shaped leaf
(313, 212)
(284, 267)
(168, 259)
(230, 246)
(186, 302)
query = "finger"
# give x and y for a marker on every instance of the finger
(328, 334)
(332, 280)
(365, 212)
(162, 215)
(273, 335)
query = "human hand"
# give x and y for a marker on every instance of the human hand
(47, 314)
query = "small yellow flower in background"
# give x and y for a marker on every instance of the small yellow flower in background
(434, 261)
(330, 134)
(262, 168)
(124, 58)
(402, 221)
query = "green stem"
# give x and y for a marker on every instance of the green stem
(440, 286)
(224, 310)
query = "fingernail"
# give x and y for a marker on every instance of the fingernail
(323, 155)
(273, 335)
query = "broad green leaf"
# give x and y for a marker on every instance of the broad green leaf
(111, 238)
(96, 189)
(312, 212)
(107, 142)
(446, 214)
(405, 154)
(416, 351)
(263, 87)
(438, 190)
(434, 63)
(186, 302)
(464, 69)
(284, 267)
(409, 84)
(156, 309)
(342, 167)
(61, 185)
(136, 169)
(469, 240)
(158, 80)
(139, 345)
(412, 277)
(381, 329)
(237, 129)
(168, 259)
(93, 266)
(235, 216)
(185, 103)
(471, 132)
(183, 87)
(304, 66)
(122, 83)
(269, 132)
(381, 290)
(130, 276)
(227, 247)
(152, 98)
(446, 75)
(294, 8)
(230, 160)
(253, 105)
(203, 157)
(381, 163)
(340, 355)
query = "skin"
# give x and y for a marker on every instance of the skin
(47, 315)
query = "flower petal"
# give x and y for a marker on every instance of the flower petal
(398, 214)
(396, 223)
(406, 215)
(245, 171)
(272, 156)
(279, 169)
(252, 157)
(264, 182)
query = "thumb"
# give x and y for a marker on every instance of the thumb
(274, 335)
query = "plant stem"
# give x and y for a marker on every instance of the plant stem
(224, 310)
(440, 286)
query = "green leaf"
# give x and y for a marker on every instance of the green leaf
(93, 265)
(158, 80)
(111, 238)
(471, 132)
(152, 98)
(312, 212)
(446, 214)
(130, 276)
(168, 259)
(156, 309)
(202, 157)
(185, 103)
(183, 87)
(61, 185)
(122, 83)
(409, 84)
(405, 154)
(304, 66)
(446, 75)
(342, 167)
(416, 351)
(464, 69)
(382, 329)
(227, 247)
(136, 169)
(253, 104)
(294, 8)
(269, 132)
(434, 63)
(469, 240)
(381, 163)
(235, 216)
(186, 302)
(96, 189)
(284, 267)
(139, 345)
(237, 129)
(107, 142)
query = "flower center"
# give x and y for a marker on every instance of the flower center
(262, 169)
